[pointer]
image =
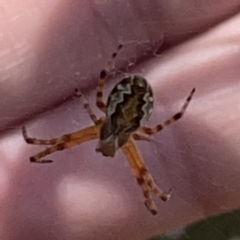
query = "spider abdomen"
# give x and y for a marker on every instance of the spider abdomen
(129, 106)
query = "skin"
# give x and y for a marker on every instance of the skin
(84, 195)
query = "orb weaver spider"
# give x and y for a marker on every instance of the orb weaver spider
(128, 107)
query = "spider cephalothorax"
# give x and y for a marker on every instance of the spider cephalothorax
(128, 107)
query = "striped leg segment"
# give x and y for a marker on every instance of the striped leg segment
(86, 105)
(36, 141)
(61, 143)
(59, 147)
(140, 137)
(151, 183)
(174, 118)
(127, 149)
(145, 173)
(102, 78)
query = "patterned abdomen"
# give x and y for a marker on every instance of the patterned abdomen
(129, 104)
(128, 107)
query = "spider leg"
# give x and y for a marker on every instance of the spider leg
(145, 173)
(58, 147)
(140, 180)
(174, 118)
(70, 140)
(140, 137)
(86, 105)
(102, 78)
(36, 141)
(151, 183)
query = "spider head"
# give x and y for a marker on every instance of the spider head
(109, 146)
(109, 140)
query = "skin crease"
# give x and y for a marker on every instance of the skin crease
(83, 195)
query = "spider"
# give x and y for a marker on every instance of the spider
(128, 107)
